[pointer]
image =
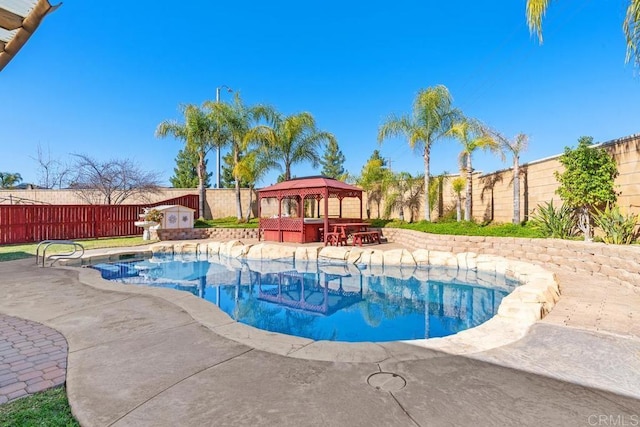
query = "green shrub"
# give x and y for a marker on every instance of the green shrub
(379, 222)
(558, 223)
(618, 229)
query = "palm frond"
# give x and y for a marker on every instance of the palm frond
(536, 10)
(631, 28)
(394, 126)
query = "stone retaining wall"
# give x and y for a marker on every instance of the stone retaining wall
(616, 262)
(205, 233)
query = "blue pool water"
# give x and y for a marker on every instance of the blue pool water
(327, 302)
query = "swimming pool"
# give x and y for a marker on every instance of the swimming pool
(327, 301)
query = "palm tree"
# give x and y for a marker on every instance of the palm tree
(631, 25)
(514, 146)
(200, 134)
(458, 185)
(436, 184)
(404, 191)
(395, 194)
(253, 167)
(415, 187)
(473, 136)
(293, 139)
(237, 120)
(431, 118)
(8, 179)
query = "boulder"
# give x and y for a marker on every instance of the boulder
(398, 257)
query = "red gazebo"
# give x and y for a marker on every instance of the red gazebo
(296, 228)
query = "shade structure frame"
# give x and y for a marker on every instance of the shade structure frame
(19, 27)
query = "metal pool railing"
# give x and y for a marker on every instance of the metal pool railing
(77, 252)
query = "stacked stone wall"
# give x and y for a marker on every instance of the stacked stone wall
(618, 263)
(220, 234)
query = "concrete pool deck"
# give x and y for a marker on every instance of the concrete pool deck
(138, 359)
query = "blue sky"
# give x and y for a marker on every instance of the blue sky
(98, 77)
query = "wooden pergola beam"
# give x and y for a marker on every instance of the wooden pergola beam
(27, 27)
(9, 20)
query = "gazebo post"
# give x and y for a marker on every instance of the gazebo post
(259, 224)
(279, 217)
(326, 214)
(360, 207)
(340, 200)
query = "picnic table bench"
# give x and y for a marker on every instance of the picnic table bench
(358, 232)
(365, 237)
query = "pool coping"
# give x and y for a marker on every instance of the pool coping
(518, 311)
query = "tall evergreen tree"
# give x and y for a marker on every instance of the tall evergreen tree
(332, 161)
(376, 156)
(185, 174)
(227, 179)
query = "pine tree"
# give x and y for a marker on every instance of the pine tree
(185, 174)
(333, 161)
(227, 179)
(376, 156)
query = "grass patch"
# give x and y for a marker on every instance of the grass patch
(444, 227)
(49, 408)
(466, 228)
(228, 222)
(26, 250)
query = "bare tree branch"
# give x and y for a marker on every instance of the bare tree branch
(52, 173)
(111, 182)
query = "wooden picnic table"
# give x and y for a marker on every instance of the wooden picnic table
(358, 231)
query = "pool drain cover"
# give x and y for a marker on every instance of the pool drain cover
(386, 381)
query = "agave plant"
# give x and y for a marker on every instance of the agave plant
(554, 222)
(618, 229)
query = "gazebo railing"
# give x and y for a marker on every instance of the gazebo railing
(284, 224)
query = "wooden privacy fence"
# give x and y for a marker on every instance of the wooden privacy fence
(34, 223)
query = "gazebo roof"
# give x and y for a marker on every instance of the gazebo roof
(18, 21)
(310, 185)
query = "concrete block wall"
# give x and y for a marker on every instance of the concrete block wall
(615, 262)
(492, 192)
